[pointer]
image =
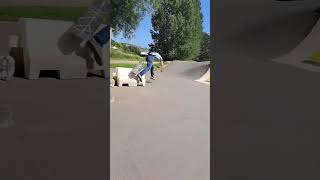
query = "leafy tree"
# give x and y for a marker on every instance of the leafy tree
(177, 28)
(127, 14)
(205, 48)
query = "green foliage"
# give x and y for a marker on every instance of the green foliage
(315, 56)
(55, 13)
(177, 29)
(128, 47)
(116, 44)
(205, 48)
(125, 52)
(126, 15)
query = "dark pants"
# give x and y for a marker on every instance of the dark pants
(103, 36)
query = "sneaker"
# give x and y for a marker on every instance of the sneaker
(139, 78)
(153, 78)
(140, 84)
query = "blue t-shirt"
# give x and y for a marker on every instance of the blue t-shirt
(153, 56)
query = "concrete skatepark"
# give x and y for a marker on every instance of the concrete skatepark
(299, 55)
(55, 138)
(58, 51)
(58, 128)
(265, 112)
(162, 131)
(77, 134)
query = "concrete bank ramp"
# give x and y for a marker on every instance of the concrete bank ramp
(264, 30)
(192, 70)
(303, 51)
(205, 78)
(45, 43)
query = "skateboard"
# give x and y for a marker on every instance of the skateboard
(138, 68)
(88, 24)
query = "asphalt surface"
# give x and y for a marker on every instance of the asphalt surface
(60, 129)
(162, 131)
(266, 120)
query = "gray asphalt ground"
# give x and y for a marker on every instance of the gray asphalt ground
(60, 129)
(60, 126)
(266, 115)
(162, 131)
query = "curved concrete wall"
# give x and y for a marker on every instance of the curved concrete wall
(276, 27)
(266, 113)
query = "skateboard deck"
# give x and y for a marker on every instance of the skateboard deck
(138, 68)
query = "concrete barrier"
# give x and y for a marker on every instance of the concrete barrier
(47, 45)
(40, 43)
(124, 76)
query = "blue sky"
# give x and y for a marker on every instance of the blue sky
(142, 35)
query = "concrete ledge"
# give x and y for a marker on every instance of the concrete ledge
(124, 76)
(40, 40)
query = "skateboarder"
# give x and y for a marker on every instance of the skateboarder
(86, 26)
(151, 57)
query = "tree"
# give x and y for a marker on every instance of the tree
(205, 48)
(127, 14)
(177, 29)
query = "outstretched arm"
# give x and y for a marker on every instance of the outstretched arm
(161, 65)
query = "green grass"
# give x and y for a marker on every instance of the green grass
(122, 65)
(54, 13)
(315, 57)
(122, 55)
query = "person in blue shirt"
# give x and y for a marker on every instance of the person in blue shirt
(151, 57)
